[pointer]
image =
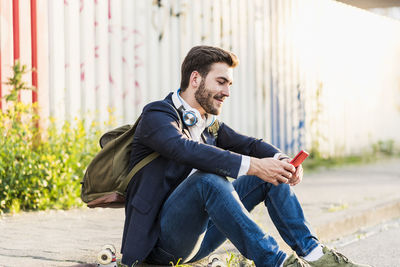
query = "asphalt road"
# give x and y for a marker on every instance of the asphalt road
(378, 246)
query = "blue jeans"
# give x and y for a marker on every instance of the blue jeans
(206, 209)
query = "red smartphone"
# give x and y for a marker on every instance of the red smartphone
(299, 158)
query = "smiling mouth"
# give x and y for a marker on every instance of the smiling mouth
(220, 99)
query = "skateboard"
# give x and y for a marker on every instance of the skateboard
(215, 260)
(106, 257)
(229, 259)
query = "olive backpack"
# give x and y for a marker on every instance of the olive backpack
(108, 174)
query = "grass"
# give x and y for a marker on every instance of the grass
(316, 161)
(178, 264)
(336, 207)
(231, 259)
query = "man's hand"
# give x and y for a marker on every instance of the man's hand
(298, 175)
(274, 171)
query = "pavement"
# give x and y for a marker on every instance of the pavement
(337, 202)
(378, 245)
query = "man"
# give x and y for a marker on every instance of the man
(182, 206)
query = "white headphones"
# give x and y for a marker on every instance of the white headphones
(189, 116)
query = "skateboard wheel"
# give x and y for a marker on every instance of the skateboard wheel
(218, 263)
(105, 257)
(214, 257)
(110, 247)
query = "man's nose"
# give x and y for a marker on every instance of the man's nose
(226, 91)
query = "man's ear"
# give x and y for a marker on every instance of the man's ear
(195, 79)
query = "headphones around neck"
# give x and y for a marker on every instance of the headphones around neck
(189, 116)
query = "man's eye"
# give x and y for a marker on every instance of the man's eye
(221, 83)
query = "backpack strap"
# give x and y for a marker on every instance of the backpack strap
(139, 166)
(147, 159)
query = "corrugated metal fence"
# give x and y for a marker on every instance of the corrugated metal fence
(309, 70)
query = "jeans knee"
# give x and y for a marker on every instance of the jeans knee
(212, 181)
(282, 188)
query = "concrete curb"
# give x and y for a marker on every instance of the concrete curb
(350, 224)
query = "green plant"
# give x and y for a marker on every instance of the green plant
(338, 207)
(40, 168)
(384, 147)
(315, 120)
(379, 151)
(16, 82)
(178, 264)
(233, 260)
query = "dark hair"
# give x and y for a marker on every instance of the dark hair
(200, 58)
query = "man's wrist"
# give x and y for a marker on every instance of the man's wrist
(253, 166)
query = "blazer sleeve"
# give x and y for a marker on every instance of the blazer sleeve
(229, 139)
(160, 130)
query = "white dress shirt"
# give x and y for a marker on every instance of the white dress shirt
(197, 129)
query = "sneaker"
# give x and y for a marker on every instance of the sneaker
(294, 261)
(332, 258)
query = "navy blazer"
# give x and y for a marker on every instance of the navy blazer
(161, 130)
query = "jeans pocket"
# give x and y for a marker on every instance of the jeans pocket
(160, 256)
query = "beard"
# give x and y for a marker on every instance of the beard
(205, 98)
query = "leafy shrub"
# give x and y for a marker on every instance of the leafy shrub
(40, 168)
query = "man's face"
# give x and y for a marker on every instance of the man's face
(214, 88)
